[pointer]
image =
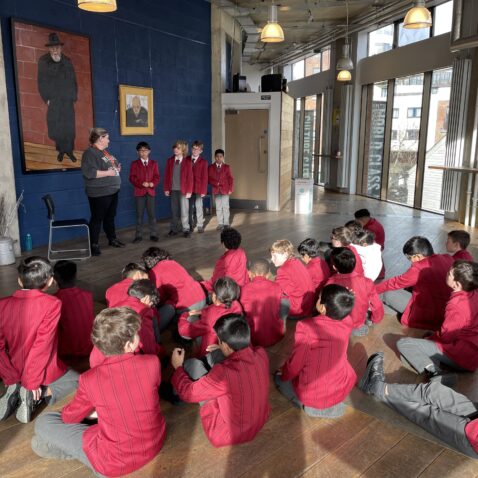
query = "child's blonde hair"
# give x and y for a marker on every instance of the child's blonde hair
(283, 246)
(183, 145)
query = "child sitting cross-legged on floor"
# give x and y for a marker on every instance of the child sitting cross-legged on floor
(317, 377)
(121, 392)
(233, 394)
(119, 291)
(456, 244)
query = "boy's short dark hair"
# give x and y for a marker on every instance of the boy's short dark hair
(310, 247)
(462, 237)
(231, 238)
(418, 245)
(367, 237)
(233, 330)
(219, 151)
(466, 273)
(142, 144)
(113, 328)
(338, 301)
(362, 213)
(342, 234)
(131, 268)
(198, 144)
(64, 273)
(325, 248)
(143, 287)
(153, 255)
(343, 260)
(355, 229)
(34, 272)
(227, 290)
(260, 267)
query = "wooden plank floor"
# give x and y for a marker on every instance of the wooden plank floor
(369, 440)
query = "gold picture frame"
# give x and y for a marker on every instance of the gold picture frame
(136, 110)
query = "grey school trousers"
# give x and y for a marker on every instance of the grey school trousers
(196, 206)
(142, 203)
(63, 386)
(179, 212)
(423, 353)
(222, 209)
(397, 299)
(437, 409)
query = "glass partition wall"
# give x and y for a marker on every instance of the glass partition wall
(404, 123)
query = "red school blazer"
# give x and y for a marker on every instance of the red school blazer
(261, 300)
(29, 339)
(186, 175)
(426, 308)
(236, 392)
(318, 367)
(139, 174)
(76, 322)
(365, 297)
(123, 389)
(462, 255)
(374, 226)
(458, 335)
(297, 286)
(200, 175)
(175, 285)
(319, 272)
(204, 326)
(221, 179)
(118, 292)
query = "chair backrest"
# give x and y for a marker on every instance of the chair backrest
(50, 205)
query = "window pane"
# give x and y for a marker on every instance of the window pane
(309, 137)
(312, 65)
(411, 35)
(298, 70)
(443, 17)
(380, 40)
(375, 138)
(436, 138)
(326, 59)
(408, 93)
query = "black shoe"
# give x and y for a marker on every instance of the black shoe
(172, 233)
(115, 243)
(71, 156)
(27, 405)
(154, 238)
(186, 234)
(95, 250)
(200, 230)
(373, 375)
(59, 158)
(9, 401)
(446, 379)
(137, 239)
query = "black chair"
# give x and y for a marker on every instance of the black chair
(57, 254)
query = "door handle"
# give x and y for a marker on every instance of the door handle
(259, 163)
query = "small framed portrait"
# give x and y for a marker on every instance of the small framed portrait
(136, 110)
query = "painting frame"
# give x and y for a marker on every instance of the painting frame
(40, 154)
(461, 38)
(136, 110)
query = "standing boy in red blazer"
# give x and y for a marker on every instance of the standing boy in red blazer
(261, 300)
(222, 184)
(425, 307)
(343, 262)
(119, 291)
(317, 377)
(144, 176)
(235, 392)
(178, 185)
(29, 363)
(121, 391)
(77, 313)
(200, 175)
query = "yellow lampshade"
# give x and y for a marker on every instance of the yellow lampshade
(272, 33)
(418, 16)
(344, 75)
(102, 6)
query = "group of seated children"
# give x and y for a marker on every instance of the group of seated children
(114, 423)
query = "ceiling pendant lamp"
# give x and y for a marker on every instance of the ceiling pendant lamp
(345, 63)
(272, 32)
(100, 6)
(418, 16)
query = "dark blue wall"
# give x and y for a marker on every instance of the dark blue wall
(163, 44)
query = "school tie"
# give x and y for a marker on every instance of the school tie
(145, 163)
(177, 161)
